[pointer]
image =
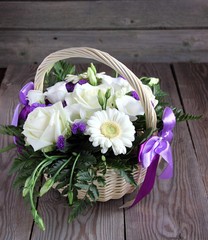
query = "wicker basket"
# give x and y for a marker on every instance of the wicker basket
(116, 186)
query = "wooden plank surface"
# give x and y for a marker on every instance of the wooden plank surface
(141, 14)
(195, 100)
(176, 208)
(15, 218)
(137, 45)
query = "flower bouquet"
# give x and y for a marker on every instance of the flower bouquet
(92, 136)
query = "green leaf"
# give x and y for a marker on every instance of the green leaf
(84, 176)
(9, 147)
(127, 176)
(10, 130)
(180, 116)
(93, 192)
(78, 207)
(82, 186)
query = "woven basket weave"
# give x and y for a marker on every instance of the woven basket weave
(116, 186)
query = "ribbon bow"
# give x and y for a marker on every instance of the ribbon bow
(22, 101)
(150, 152)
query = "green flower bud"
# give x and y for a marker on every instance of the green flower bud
(108, 93)
(38, 220)
(70, 197)
(103, 158)
(47, 186)
(27, 186)
(93, 68)
(92, 77)
(101, 98)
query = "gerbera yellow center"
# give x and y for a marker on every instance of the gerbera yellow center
(110, 129)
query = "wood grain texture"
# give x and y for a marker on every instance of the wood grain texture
(137, 45)
(15, 218)
(141, 14)
(176, 208)
(104, 221)
(195, 100)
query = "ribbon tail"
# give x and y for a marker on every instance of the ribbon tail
(147, 185)
(15, 120)
(166, 154)
(16, 115)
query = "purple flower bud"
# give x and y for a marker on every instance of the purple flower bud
(70, 87)
(134, 95)
(60, 144)
(82, 81)
(78, 127)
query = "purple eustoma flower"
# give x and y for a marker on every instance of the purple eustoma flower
(134, 95)
(82, 81)
(78, 127)
(60, 142)
(70, 87)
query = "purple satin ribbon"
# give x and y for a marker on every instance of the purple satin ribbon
(150, 152)
(22, 100)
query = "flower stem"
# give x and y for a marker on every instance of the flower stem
(70, 193)
(62, 166)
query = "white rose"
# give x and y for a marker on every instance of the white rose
(57, 92)
(35, 96)
(44, 125)
(130, 106)
(86, 96)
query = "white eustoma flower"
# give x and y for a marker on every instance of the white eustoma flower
(35, 96)
(57, 92)
(129, 106)
(44, 125)
(153, 81)
(72, 78)
(118, 84)
(75, 78)
(111, 128)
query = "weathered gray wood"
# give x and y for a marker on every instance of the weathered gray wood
(134, 45)
(104, 221)
(15, 218)
(176, 208)
(141, 14)
(195, 100)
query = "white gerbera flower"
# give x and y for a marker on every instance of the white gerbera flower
(111, 128)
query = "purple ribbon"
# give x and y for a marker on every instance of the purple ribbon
(23, 100)
(150, 152)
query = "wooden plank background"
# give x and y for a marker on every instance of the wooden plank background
(142, 30)
(175, 209)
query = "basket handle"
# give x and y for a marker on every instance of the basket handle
(105, 58)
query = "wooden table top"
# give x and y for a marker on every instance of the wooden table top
(175, 209)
